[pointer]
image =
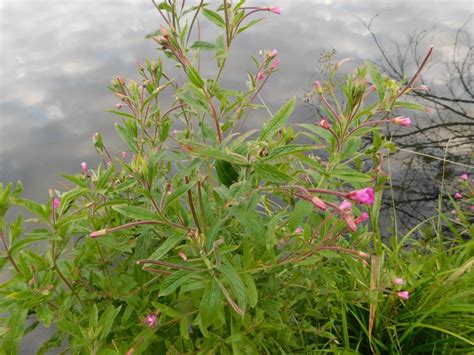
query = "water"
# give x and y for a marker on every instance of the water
(58, 57)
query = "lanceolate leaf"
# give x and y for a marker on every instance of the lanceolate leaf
(136, 212)
(278, 120)
(237, 285)
(166, 246)
(210, 301)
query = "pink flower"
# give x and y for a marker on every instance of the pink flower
(182, 255)
(458, 195)
(362, 218)
(260, 75)
(402, 121)
(84, 167)
(124, 155)
(464, 177)
(324, 124)
(471, 207)
(151, 320)
(453, 211)
(55, 202)
(298, 230)
(365, 196)
(272, 53)
(118, 106)
(318, 203)
(275, 63)
(275, 9)
(398, 281)
(404, 295)
(345, 205)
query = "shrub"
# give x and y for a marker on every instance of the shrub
(200, 237)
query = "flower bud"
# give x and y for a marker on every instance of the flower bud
(402, 121)
(362, 218)
(458, 195)
(398, 281)
(319, 88)
(275, 63)
(318, 203)
(118, 106)
(298, 230)
(84, 167)
(404, 295)
(182, 255)
(324, 124)
(345, 206)
(275, 9)
(124, 155)
(98, 233)
(464, 177)
(273, 53)
(260, 75)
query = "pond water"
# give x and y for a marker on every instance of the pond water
(57, 57)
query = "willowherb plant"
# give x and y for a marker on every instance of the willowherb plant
(198, 236)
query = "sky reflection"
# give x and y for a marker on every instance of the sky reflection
(58, 57)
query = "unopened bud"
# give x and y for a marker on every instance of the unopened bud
(324, 124)
(318, 203)
(98, 233)
(273, 53)
(319, 88)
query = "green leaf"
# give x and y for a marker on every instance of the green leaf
(290, 149)
(210, 302)
(409, 105)
(351, 175)
(11, 340)
(69, 327)
(250, 24)
(214, 17)
(76, 180)
(203, 45)
(184, 327)
(169, 243)
(33, 237)
(179, 192)
(378, 80)
(173, 281)
(213, 153)
(194, 77)
(271, 173)
(127, 137)
(236, 284)
(252, 293)
(107, 320)
(44, 314)
(220, 53)
(278, 120)
(153, 34)
(136, 212)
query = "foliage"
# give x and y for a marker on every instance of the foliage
(203, 238)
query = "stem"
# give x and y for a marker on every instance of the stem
(191, 204)
(104, 261)
(7, 253)
(415, 77)
(61, 275)
(137, 223)
(201, 205)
